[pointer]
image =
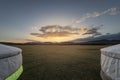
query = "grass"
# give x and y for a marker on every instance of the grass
(61, 62)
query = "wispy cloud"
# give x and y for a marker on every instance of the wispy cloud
(111, 11)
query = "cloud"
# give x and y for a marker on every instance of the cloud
(94, 31)
(59, 29)
(56, 30)
(109, 36)
(111, 11)
(68, 32)
(31, 40)
(53, 34)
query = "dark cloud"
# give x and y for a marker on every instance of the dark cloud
(94, 31)
(52, 31)
(109, 36)
(31, 40)
(35, 34)
(57, 29)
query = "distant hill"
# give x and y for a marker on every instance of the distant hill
(27, 43)
(100, 40)
(103, 39)
(11, 43)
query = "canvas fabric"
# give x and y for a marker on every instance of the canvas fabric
(8, 51)
(10, 60)
(110, 63)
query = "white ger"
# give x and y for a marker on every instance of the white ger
(10, 62)
(110, 63)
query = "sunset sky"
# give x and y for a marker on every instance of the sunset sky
(57, 20)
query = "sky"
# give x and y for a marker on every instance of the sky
(57, 20)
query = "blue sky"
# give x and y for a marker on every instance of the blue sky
(19, 18)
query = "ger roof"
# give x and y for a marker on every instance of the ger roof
(8, 51)
(112, 51)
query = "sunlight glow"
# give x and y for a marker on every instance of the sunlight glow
(58, 38)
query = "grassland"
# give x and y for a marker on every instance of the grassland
(61, 62)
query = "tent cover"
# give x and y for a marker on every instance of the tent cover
(110, 63)
(10, 62)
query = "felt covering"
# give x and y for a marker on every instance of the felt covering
(110, 62)
(10, 60)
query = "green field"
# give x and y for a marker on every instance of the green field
(61, 62)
